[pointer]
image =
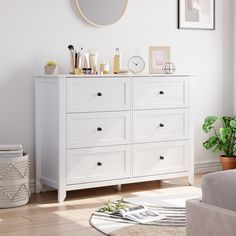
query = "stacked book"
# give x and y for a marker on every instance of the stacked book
(12, 150)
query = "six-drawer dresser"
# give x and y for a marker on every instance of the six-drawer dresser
(94, 131)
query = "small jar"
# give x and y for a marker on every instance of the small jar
(106, 68)
(102, 68)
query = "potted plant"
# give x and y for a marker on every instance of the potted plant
(50, 68)
(223, 138)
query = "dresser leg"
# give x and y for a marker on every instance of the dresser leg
(61, 195)
(39, 187)
(191, 179)
(117, 187)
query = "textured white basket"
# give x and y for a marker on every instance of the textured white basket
(14, 181)
(50, 70)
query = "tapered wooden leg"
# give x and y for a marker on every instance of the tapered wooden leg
(61, 195)
(191, 179)
(117, 187)
(39, 187)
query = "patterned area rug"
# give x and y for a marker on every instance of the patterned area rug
(142, 230)
(170, 202)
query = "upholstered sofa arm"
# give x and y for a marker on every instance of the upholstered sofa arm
(208, 220)
(219, 189)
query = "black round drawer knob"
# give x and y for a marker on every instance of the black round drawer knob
(162, 158)
(99, 129)
(161, 92)
(99, 163)
(99, 94)
(162, 125)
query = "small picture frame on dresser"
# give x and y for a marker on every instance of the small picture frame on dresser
(158, 56)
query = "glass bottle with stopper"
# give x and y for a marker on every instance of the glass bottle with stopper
(117, 61)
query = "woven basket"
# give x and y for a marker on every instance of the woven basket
(14, 181)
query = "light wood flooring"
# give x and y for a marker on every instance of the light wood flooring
(43, 216)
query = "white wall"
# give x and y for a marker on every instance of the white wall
(234, 50)
(33, 32)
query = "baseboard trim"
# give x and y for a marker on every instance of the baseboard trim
(207, 166)
(32, 186)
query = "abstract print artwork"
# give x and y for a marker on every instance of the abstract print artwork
(196, 14)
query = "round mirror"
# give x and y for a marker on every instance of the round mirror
(102, 12)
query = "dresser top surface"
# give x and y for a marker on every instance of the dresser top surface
(111, 76)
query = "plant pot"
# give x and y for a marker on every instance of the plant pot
(228, 163)
(50, 70)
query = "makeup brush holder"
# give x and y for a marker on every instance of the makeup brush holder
(74, 66)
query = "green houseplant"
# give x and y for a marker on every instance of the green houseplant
(223, 138)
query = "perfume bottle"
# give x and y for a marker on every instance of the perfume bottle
(116, 61)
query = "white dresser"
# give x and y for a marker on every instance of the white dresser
(97, 131)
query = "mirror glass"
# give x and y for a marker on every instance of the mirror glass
(101, 12)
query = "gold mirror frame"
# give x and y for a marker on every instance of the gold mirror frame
(86, 18)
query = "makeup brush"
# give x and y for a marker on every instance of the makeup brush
(71, 47)
(80, 58)
(72, 59)
(76, 59)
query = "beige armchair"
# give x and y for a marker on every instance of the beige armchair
(215, 214)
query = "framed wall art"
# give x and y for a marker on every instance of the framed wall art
(196, 14)
(158, 56)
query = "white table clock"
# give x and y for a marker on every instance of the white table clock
(136, 64)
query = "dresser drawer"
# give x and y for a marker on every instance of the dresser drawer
(98, 94)
(98, 129)
(98, 164)
(159, 158)
(151, 93)
(160, 125)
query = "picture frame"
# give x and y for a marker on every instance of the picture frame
(196, 14)
(158, 56)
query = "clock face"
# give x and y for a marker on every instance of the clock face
(136, 64)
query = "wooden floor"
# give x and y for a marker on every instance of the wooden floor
(43, 216)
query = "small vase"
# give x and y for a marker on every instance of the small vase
(228, 163)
